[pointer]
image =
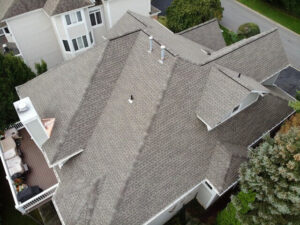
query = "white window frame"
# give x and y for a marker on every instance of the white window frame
(3, 28)
(80, 43)
(73, 18)
(94, 11)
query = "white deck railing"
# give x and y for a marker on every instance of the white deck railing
(17, 125)
(36, 200)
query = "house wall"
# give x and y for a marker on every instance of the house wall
(100, 30)
(117, 8)
(171, 210)
(35, 38)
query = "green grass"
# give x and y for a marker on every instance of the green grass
(278, 15)
(163, 20)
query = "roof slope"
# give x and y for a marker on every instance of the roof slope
(224, 90)
(54, 7)
(139, 157)
(11, 8)
(207, 34)
(175, 43)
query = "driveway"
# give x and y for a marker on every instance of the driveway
(234, 15)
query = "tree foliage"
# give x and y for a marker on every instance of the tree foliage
(183, 14)
(13, 72)
(292, 6)
(273, 173)
(41, 67)
(296, 104)
(240, 202)
(248, 30)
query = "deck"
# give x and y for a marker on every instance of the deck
(39, 172)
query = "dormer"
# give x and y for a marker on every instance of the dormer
(226, 93)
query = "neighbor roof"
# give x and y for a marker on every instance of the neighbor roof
(139, 157)
(224, 90)
(207, 34)
(11, 8)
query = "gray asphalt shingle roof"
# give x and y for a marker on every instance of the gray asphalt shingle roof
(140, 157)
(207, 34)
(224, 90)
(11, 8)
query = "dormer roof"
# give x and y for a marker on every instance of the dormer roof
(224, 90)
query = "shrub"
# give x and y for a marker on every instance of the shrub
(183, 14)
(241, 203)
(41, 67)
(248, 30)
(229, 36)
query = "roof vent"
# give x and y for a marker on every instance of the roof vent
(130, 100)
(205, 51)
(239, 75)
(22, 107)
(162, 54)
(150, 44)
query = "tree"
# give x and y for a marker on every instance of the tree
(248, 30)
(296, 104)
(273, 173)
(183, 14)
(241, 203)
(13, 72)
(41, 67)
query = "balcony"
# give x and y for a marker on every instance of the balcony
(38, 172)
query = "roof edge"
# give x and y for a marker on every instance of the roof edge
(196, 26)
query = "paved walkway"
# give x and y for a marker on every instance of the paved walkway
(234, 15)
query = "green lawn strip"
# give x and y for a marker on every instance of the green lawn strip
(278, 15)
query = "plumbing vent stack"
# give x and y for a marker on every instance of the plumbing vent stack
(162, 54)
(150, 44)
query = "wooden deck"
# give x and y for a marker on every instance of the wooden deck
(39, 172)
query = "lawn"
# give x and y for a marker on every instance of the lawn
(278, 15)
(162, 20)
(8, 214)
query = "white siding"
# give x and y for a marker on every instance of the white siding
(35, 38)
(100, 30)
(117, 8)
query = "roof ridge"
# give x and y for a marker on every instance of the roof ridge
(196, 26)
(219, 69)
(143, 143)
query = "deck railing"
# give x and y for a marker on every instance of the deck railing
(17, 125)
(36, 200)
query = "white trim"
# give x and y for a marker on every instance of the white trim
(231, 186)
(208, 127)
(8, 178)
(58, 38)
(64, 22)
(61, 162)
(58, 212)
(108, 14)
(268, 131)
(181, 198)
(267, 78)
(13, 37)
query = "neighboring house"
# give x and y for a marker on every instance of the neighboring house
(142, 129)
(57, 30)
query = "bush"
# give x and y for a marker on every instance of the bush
(229, 36)
(41, 67)
(239, 203)
(248, 30)
(183, 14)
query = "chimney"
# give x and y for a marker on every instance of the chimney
(150, 44)
(31, 121)
(162, 54)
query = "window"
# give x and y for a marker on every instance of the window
(95, 17)
(91, 37)
(6, 30)
(80, 42)
(73, 17)
(66, 45)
